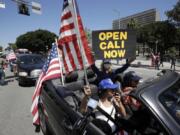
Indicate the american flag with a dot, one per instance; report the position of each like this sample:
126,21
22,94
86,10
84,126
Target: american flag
11,56
51,70
72,39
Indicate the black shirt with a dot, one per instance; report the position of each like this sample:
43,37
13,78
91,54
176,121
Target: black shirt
103,75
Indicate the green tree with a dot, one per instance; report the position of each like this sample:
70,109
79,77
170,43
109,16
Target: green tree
174,14
177,40
160,35
133,24
12,46
36,41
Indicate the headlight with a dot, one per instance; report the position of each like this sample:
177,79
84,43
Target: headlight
23,73
35,73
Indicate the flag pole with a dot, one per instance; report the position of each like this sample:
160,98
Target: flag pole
60,62
79,41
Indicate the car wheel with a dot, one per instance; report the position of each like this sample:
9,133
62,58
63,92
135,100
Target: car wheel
20,82
43,123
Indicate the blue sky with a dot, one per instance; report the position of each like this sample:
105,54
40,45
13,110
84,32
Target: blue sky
96,15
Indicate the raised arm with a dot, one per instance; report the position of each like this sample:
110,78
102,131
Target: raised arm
124,67
95,69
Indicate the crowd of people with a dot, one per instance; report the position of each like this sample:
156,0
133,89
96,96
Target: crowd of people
113,94
157,60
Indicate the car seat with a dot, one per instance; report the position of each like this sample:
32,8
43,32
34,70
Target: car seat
71,77
103,125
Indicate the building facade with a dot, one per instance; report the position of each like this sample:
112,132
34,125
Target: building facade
142,18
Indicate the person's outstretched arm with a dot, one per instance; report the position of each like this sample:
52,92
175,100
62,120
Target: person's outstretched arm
95,69
124,67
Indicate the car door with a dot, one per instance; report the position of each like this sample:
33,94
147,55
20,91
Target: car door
51,105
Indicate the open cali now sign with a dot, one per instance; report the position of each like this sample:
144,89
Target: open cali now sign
114,44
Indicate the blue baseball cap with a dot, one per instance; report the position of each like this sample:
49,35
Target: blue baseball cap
107,84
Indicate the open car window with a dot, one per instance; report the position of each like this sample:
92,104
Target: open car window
171,101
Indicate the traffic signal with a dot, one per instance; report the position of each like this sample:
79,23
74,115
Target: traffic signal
23,9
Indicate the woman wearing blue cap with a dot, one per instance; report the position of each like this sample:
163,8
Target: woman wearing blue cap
109,101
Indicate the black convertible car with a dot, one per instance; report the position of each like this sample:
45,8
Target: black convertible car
160,114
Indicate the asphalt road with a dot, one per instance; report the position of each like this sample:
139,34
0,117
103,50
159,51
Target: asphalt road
15,104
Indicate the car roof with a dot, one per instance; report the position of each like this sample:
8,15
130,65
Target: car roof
149,93
157,85
22,55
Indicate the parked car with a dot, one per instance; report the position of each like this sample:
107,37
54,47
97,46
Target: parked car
160,113
28,68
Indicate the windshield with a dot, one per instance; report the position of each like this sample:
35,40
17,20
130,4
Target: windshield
32,59
171,100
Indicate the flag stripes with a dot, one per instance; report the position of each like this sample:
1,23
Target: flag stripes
51,70
11,56
72,39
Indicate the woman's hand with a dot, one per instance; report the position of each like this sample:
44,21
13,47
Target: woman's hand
118,103
117,99
87,90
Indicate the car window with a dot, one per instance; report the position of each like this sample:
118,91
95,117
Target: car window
171,101
32,59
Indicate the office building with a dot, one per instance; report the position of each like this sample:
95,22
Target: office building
142,18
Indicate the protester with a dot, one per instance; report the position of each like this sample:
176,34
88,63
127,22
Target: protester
109,101
173,63
153,59
130,82
2,63
161,60
107,72
2,71
157,59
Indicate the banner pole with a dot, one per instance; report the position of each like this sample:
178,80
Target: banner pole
79,42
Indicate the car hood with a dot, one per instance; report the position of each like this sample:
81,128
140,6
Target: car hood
29,67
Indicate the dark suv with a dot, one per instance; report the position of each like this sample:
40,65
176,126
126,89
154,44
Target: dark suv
160,113
29,67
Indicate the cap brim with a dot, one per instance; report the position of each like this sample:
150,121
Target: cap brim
112,87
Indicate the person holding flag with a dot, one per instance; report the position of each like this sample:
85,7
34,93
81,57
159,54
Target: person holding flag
76,54
51,70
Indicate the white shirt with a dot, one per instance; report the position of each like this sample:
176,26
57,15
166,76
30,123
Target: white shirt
111,111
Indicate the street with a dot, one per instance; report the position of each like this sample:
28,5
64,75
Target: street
15,103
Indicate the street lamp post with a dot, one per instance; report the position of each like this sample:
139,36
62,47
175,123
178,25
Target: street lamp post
119,21
156,45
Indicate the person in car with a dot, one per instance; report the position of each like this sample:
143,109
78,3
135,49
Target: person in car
130,82
107,72
109,101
